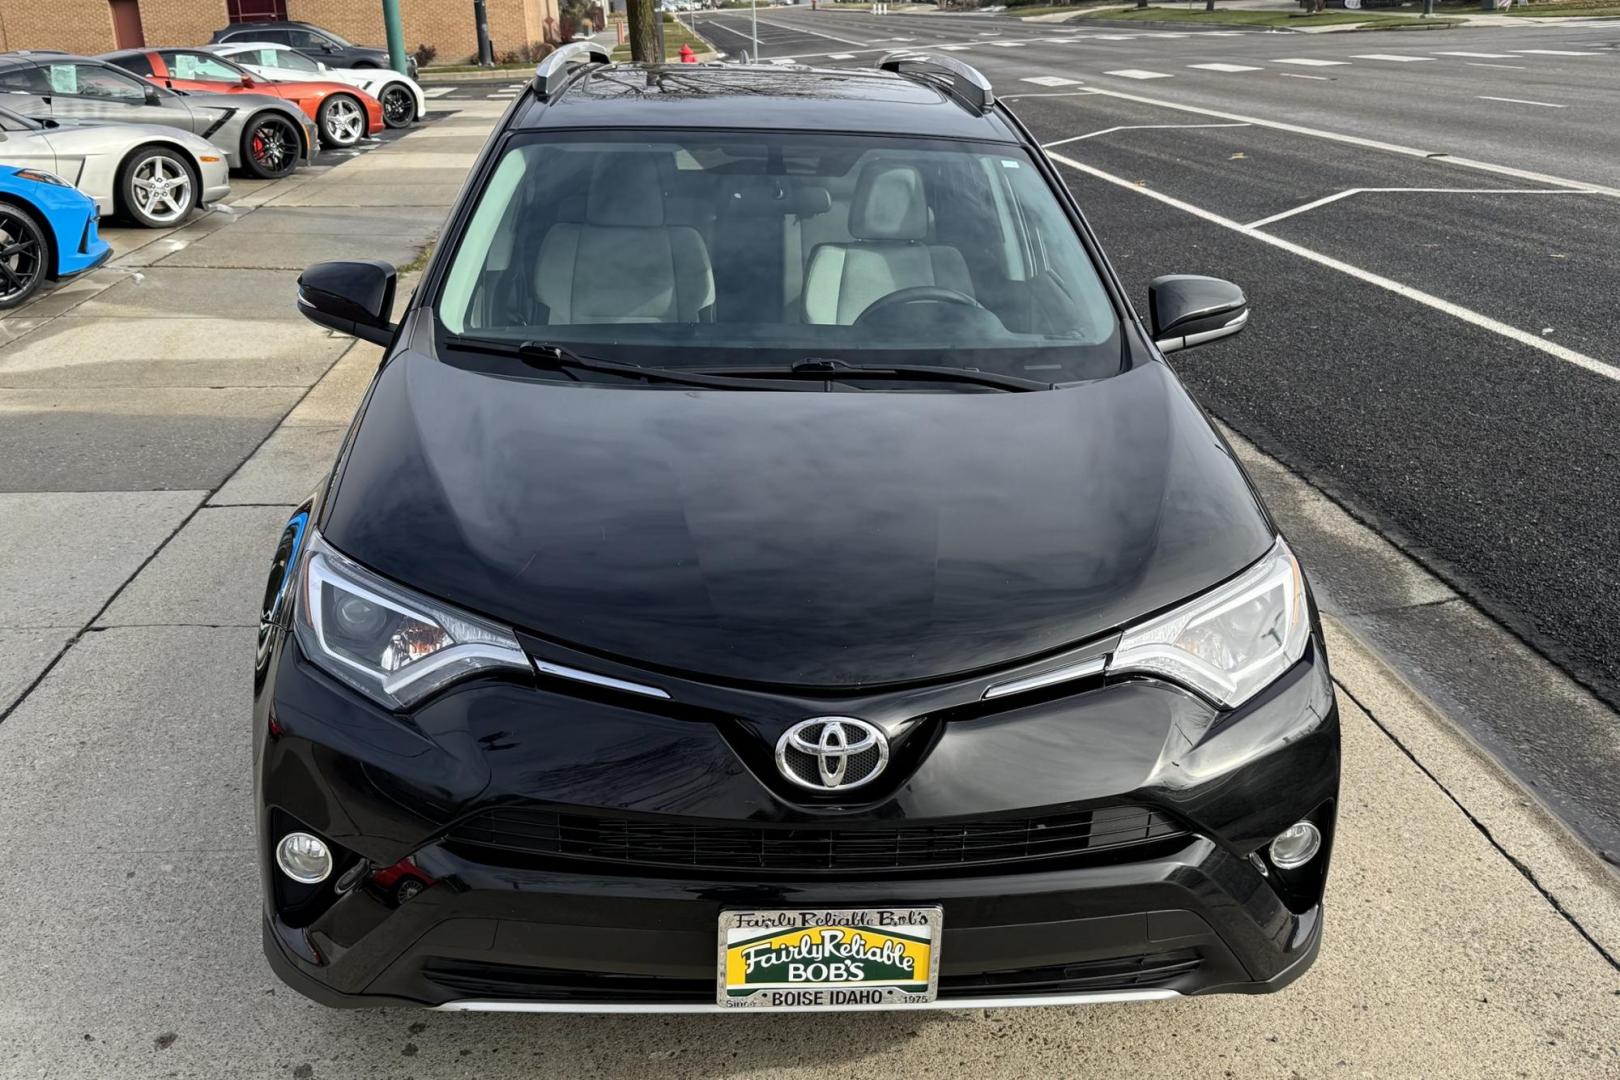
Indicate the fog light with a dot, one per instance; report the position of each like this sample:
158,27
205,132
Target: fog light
1296,845
304,858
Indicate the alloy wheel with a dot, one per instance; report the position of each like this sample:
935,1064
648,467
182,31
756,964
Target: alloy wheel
162,189
345,123
21,256
399,106
271,146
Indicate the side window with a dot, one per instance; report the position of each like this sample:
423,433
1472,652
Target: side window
133,62
304,39
91,81
201,66
296,61
274,37
24,79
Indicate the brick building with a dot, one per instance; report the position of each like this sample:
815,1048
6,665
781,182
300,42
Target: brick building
94,26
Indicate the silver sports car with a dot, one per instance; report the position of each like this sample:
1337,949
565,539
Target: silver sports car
264,136
152,175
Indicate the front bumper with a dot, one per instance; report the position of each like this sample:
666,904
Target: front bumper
216,179
430,921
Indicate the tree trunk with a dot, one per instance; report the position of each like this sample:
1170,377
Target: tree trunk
643,31
1141,3
1209,5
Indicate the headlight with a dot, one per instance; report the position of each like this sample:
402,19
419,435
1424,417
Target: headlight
43,177
1229,643
392,645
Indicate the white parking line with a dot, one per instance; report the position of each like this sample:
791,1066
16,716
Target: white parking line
1050,80
1137,73
1391,57
1508,67
1555,52
1010,44
1222,67
1117,37
1357,140
953,48
1347,192
1468,315
1519,101
1131,127
1480,55
1297,75
816,33
840,56
1308,61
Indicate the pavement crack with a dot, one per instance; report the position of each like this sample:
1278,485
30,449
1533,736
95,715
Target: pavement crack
1484,830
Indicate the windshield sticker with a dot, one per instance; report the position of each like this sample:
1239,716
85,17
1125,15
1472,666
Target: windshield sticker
65,78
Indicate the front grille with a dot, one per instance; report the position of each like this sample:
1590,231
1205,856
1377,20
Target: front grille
1006,844
471,979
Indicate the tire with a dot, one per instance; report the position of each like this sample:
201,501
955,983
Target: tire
270,146
157,187
398,105
342,120
25,253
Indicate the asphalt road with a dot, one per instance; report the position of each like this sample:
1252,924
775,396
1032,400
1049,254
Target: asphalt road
1432,345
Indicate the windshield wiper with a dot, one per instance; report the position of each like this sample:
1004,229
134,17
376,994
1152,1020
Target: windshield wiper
831,368
549,357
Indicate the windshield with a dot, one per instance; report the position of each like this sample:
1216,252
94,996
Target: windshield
704,249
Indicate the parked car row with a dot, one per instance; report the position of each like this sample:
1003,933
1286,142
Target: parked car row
151,134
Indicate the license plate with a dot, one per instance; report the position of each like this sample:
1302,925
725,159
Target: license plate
850,958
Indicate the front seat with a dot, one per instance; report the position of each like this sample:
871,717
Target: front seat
623,264
888,218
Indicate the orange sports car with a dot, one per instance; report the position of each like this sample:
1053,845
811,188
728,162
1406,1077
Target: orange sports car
344,113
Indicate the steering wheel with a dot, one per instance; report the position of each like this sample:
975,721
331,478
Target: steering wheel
918,294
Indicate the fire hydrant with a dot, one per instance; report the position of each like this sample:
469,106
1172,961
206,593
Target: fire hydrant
687,55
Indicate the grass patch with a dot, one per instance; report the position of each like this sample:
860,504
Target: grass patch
1281,19
1563,11
421,258
675,35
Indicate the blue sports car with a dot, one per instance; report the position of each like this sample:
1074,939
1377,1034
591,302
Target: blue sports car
47,232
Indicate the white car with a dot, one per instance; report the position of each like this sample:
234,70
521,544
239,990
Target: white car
152,175
402,99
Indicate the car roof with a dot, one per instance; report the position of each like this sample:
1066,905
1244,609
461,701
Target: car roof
744,96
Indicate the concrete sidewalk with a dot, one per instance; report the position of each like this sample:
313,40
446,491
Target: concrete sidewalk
173,419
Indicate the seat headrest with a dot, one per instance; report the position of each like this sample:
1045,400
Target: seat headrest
625,191
889,204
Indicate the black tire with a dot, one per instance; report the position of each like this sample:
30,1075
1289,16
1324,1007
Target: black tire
398,105
342,121
158,168
271,146
25,254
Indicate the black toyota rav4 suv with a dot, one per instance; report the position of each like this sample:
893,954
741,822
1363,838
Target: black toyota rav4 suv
774,567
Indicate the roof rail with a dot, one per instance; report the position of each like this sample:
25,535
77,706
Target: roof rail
962,81
553,73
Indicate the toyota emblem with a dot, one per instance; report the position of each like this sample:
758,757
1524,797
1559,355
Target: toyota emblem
832,753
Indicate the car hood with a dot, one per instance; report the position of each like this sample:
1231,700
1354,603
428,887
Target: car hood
806,539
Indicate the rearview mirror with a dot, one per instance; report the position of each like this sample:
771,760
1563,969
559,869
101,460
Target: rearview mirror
1187,310
353,297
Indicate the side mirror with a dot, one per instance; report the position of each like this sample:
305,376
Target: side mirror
1188,310
247,80
152,96
352,297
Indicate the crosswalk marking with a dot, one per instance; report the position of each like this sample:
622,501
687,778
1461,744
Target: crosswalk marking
1391,57
841,56
1554,52
1307,61
1009,44
955,48
1117,37
1519,101
438,91
1223,67
1137,73
1480,55
1050,80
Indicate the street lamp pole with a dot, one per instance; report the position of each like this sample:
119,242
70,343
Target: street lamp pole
753,8
486,52
396,35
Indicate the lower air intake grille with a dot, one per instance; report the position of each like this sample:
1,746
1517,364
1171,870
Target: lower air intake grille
1009,844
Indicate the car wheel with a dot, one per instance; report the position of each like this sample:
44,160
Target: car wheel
23,255
157,188
342,121
398,105
270,147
